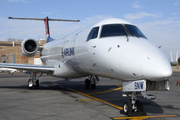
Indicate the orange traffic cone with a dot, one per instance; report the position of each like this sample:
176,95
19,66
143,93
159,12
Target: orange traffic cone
177,84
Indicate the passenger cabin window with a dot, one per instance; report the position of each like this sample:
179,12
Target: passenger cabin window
93,34
113,30
134,31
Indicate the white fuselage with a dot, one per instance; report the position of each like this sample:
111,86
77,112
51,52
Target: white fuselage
119,57
8,70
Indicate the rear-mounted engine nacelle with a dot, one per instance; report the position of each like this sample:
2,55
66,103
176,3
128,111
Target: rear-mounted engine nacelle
29,47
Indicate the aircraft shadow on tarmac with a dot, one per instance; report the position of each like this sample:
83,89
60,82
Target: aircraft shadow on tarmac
114,97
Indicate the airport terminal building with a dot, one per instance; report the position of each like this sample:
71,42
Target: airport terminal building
10,52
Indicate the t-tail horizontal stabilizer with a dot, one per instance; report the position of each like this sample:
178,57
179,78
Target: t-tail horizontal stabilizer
48,38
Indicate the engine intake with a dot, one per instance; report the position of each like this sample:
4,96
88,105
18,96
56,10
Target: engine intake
29,47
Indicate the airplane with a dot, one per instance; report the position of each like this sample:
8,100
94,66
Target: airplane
111,48
172,61
11,71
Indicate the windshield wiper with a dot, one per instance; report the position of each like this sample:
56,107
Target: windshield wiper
137,36
134,35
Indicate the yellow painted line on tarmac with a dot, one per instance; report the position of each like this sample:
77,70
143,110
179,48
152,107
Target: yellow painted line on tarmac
94,98
118,107
97,99
55,83
120,87
87,100
143,117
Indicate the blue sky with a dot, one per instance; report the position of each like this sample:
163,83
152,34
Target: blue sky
159,20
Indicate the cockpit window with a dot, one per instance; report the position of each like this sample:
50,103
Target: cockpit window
93,34
134,31
113,30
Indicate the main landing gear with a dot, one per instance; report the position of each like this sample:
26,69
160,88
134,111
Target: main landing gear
33,81
91,82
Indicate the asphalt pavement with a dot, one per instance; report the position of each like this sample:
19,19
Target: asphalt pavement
58,99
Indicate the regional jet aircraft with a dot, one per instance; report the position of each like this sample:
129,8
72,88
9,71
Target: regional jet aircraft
112,48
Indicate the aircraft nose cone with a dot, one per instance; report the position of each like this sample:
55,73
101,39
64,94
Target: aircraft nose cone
156,68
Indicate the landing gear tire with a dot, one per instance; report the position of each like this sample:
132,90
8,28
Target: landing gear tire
139,106
127,107
93,86
31,86
37,84
87,83
139,109
30,83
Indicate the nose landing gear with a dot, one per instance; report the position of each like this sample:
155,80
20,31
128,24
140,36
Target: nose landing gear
133,107
133,110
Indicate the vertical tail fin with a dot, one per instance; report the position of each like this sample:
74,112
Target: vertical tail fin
177,56
171,56
176,60
48,38
46,22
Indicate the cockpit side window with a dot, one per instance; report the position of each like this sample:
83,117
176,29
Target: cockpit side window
113,30
93,34
134,31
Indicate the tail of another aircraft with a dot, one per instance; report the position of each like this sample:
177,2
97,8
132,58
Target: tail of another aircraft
46,22
177,55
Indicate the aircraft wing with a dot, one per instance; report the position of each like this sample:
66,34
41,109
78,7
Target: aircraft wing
31,68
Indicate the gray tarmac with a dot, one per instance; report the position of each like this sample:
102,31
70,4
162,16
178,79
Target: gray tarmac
57,99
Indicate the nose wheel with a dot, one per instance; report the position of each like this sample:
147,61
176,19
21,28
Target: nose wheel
133,107
127,107
138,106
133,110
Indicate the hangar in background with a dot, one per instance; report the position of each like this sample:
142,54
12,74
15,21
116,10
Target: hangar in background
10,52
